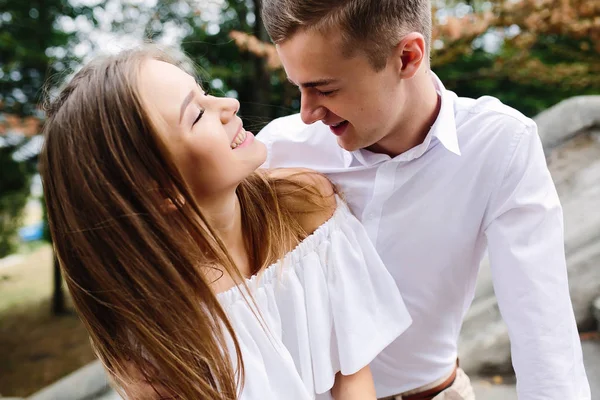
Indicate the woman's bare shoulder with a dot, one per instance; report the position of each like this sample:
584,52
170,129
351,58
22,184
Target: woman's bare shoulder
311,195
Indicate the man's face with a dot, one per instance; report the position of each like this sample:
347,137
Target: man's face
360,105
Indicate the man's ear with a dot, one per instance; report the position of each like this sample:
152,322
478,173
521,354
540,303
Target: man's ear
409,54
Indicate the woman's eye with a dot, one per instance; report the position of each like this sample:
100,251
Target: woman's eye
198,117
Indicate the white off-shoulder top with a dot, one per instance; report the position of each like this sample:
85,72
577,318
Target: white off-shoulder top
329,306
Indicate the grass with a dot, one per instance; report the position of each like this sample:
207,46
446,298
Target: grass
36,348
25,277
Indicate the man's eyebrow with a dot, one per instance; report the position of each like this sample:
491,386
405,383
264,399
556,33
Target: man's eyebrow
185,103
312,84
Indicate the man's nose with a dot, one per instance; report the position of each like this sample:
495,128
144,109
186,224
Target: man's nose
310,111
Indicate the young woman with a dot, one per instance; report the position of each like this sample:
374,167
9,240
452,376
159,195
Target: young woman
197,275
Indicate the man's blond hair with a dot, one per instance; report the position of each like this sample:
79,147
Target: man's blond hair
373,26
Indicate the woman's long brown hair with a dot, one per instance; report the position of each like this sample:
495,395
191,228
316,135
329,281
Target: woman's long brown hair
138,275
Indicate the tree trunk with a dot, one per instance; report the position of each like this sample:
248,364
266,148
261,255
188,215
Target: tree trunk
262,80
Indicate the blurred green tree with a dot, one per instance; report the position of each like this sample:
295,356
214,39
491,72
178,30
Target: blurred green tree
264,92
15,179
531,54
33,49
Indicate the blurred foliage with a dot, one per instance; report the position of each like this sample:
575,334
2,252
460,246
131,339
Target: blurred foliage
15,178
541,51
549,50
32,49
263,94
28,34
36,53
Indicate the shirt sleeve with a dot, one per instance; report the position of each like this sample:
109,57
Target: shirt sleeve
524,229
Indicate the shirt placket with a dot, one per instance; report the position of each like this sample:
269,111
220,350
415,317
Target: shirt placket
383,189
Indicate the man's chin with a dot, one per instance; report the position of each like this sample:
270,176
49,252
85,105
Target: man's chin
347,145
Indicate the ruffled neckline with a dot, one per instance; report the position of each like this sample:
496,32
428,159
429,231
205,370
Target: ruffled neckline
273,271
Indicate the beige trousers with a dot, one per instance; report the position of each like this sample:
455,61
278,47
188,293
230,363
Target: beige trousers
461,389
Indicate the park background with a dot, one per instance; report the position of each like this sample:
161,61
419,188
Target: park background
541,57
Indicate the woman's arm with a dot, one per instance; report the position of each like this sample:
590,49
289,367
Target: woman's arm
358,386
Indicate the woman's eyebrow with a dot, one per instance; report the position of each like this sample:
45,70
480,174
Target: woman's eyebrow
185,103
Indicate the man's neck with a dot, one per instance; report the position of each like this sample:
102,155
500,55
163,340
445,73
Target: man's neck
420,112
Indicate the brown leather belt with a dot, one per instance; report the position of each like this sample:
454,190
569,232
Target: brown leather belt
428,394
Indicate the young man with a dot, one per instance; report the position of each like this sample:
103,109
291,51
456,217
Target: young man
436,180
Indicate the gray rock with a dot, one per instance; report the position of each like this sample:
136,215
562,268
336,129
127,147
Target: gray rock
86,383
591,357
596,311
569,117
485,390
112,395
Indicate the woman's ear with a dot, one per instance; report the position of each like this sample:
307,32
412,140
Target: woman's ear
167,204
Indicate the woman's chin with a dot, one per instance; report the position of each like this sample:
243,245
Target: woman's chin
261,153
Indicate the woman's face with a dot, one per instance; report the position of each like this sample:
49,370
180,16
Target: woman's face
204,134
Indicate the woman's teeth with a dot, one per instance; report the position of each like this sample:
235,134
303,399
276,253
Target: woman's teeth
239,139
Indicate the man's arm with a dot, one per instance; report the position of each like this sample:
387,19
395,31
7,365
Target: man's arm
524,229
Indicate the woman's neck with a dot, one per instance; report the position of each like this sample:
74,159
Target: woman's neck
225,216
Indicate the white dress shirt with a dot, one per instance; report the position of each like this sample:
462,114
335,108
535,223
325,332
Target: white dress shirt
479,180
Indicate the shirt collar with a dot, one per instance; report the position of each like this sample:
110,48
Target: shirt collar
444,129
